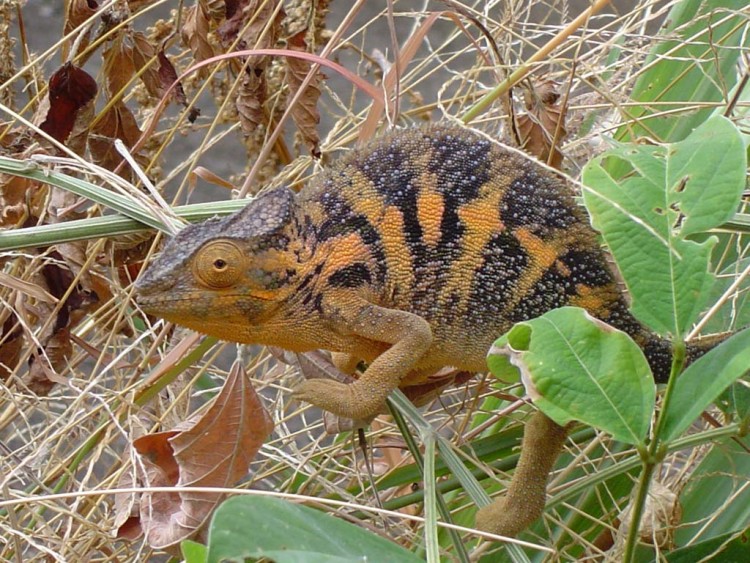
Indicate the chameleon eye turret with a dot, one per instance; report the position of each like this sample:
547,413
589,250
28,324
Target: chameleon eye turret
218,264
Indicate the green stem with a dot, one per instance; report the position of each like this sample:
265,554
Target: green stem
654,454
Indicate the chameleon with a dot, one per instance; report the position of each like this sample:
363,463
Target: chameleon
410,254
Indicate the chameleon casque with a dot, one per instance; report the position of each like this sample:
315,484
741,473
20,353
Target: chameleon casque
412,253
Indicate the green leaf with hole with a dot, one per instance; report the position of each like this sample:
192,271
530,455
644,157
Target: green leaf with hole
672,192
575,367
703,381
266,527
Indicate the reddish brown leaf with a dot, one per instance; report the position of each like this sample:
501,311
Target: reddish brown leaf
143,54
305,110
544,124
45,367
212,450
70,90
78,12
11,344
168,76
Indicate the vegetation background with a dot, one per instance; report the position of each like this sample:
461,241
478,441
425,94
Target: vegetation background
97,397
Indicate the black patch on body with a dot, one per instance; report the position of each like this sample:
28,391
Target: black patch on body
587,267
538,203
551,291
504,261
354,275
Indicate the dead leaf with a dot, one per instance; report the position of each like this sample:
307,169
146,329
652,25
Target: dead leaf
544,123
305,110
251,96
55,340
11,344
194,34
117,123
119,67
77,13
71,92
20,199
248,24
212,450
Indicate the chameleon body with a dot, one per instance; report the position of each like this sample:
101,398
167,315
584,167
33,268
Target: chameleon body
413,253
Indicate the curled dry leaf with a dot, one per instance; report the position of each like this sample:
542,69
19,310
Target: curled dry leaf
212,450
251,96
661,515
20,199
543,125
119,67
305,109
55,340
71,96
77,13
194,34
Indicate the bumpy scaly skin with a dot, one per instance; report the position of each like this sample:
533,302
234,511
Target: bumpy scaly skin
412,254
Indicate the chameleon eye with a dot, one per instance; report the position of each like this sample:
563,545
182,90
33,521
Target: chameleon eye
218,264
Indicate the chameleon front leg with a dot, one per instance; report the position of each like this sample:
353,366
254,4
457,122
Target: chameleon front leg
524,500
409,335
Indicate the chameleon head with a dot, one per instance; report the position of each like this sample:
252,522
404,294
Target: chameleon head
224,277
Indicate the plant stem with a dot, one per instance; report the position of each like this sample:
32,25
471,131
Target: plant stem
652,456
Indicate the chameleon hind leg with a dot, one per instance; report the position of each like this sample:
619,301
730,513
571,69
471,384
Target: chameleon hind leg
524,500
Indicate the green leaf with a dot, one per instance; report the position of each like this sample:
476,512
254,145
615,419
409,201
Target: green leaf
193,552
727,548
716,499
578,368
699,179
695,65
703,381
710,166
256,526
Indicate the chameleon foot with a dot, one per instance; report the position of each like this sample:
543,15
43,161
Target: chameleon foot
343,400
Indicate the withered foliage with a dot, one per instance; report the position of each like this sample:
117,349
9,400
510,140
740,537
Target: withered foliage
64,304
542,127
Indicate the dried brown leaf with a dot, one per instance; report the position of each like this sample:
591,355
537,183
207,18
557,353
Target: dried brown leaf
251,96
118,122
253,23
544,124
11,344
119,67
77,13
194,34
71,95
305,110
20,199
212,450
143,55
